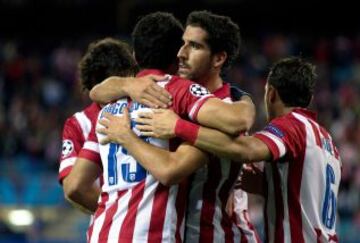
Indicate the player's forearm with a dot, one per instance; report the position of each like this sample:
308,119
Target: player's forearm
232,118
156,160
219,143
84,199
110,89
241,148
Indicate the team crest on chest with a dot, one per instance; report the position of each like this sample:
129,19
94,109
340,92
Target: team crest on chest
198,90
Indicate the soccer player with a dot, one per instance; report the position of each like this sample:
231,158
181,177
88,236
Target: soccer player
134,205
207,38
103,58
303,168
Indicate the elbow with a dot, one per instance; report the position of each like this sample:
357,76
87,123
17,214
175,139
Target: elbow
94,96
73,189
169,179
242,124
171,175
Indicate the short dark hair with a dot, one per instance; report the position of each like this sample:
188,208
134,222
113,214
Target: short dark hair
157,40
104,58
294,79
222,33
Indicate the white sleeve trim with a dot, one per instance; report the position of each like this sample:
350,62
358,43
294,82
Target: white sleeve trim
278,142
66,163
93,146
196,106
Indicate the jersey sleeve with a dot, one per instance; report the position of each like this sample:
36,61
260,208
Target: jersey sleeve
72,142
188,97
90,149
276,137
237,94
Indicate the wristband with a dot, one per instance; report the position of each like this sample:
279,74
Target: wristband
187,130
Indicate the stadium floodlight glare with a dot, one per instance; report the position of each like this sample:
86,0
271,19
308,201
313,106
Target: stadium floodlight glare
21,217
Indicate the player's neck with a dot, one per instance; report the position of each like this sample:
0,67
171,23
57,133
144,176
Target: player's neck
212,82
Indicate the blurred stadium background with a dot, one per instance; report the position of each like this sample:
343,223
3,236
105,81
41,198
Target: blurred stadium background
42,41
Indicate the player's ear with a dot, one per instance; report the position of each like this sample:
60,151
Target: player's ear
219,59
273,95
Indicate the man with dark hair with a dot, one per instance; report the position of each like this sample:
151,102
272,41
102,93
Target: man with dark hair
303,168
102,59
143,196
206,219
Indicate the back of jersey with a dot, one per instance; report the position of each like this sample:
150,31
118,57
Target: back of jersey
137,207
134,206
320,182
302,180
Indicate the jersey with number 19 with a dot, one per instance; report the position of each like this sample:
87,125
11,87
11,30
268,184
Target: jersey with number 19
302,179
134,206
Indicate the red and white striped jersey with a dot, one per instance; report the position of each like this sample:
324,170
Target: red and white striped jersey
206,219
75,133
302,179
134,206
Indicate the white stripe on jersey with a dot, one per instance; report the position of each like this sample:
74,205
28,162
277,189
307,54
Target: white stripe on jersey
219,234
283,169
66,163
119,215
91,146
142,222
279,143
270,207
99,221
171,216
84,123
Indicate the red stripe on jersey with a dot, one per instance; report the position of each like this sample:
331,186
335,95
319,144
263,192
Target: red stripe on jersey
279,205
209,199
336,152
90,155
242,236
318,235
105,228
226,222
294,187
270,144
100,209
64,173
333,238
251,226
316,133
180,205
158,213
126,233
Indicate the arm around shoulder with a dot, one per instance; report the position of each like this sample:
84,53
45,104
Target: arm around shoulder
231,118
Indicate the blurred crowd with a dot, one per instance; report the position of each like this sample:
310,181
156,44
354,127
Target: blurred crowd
39,88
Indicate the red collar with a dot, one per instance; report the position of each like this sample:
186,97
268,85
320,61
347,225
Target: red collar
145,72
306,113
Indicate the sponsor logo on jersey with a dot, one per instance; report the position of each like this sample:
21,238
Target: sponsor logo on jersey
197,90
67,148
274,130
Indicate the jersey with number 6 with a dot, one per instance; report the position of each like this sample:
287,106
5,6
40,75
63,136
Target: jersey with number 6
134,206
302,179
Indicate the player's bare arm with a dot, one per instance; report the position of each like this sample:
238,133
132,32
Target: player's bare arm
143,90
240,148
168,167
161,123
231,118
79,188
